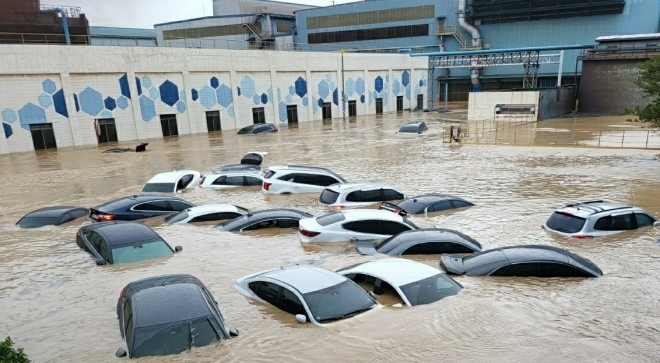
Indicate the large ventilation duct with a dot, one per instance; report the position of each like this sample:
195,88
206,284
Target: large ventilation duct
474,77
474,32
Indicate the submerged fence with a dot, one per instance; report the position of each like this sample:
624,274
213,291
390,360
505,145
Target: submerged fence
529,134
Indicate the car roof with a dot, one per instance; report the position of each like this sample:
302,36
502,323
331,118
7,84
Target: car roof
585,209
236,168
120,232
421,201
50,212
305,278
396,271
262,214
423,235
247,172
170,176
276,168
349,187
211,208
168,304
145,283
137,198
362,214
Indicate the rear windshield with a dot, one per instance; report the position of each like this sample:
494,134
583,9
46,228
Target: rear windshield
565,223
173,339
36,222
330,218
410,128
328,196
159,187
269,174
178,217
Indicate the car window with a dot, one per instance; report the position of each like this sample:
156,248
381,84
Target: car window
103,251
140,251
128,314
234,180
560,270
268,291
177,206
337,302
331,218
430,289
66,217
615,223
250,180
219,180
432,248
392,228
371,196
354,196
269,174
95,240
215,217
309,179
184,181
155,206
566,223
643,220
290,303
368,226
287,223
129,330
438,207
268,223
391,194
79,213
460,203
329,197
245,130
521,269
173,339
158,188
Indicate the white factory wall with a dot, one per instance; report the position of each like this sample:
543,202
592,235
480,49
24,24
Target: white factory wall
71,87
481,105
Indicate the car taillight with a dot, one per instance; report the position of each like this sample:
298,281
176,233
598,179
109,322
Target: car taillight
582,236
307,233
267,185
338,207
107,217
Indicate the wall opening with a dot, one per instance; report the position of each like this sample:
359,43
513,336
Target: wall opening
420,102
327,110
292,114
352,108
169,126
213,121
379,106
43,136
107,130
399,103
258,115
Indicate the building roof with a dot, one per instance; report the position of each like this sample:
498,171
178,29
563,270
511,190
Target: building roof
272,15
105,31
630,37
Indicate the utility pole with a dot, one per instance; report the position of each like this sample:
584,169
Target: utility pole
343,92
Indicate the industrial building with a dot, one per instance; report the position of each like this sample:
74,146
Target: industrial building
30,22
469,25
125,37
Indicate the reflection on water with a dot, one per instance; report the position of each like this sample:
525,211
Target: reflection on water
60,306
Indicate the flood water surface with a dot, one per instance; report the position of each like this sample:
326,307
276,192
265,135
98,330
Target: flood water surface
59,306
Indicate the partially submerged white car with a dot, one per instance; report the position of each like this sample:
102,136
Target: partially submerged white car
232,179
415,283
294,179
352,226
207,213
310,293
355,195
171,181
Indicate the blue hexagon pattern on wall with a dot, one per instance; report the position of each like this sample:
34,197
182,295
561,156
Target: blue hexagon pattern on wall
7,129
305,101
60,103
248,88
264,98
362,99
123,86
324,89
378,84
396,87
105,114
9,115
169,93
292,90
214,82
405,78
110,103
45,100
31,114
49,86
301,87
154,94
148,108
238,90
194,94
335,97
282,113
181,106
122,102
289,99
225,97
350,86
146,82
138,82
230,111
91,101
256,99
207,97
359,86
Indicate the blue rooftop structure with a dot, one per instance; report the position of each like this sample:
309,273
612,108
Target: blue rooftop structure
101,35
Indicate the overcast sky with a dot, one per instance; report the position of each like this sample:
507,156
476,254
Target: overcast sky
146,13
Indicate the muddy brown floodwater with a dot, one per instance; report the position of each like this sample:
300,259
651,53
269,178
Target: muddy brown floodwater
58,305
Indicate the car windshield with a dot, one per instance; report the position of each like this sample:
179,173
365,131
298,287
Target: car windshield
330,218
328,196
245,130
177,217
173,338
159,187
430,289
409,223
566,223
410,128
338,302
140,251
36,222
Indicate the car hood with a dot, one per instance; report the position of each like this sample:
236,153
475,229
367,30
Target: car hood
367,247
453,264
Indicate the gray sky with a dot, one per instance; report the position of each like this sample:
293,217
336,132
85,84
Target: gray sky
146,13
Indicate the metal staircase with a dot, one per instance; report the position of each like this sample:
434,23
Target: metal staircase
464,41
261,38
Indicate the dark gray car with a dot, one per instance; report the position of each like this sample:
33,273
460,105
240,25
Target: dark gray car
168,314
416,127
523,261
427,203
421,241
51,216
269,218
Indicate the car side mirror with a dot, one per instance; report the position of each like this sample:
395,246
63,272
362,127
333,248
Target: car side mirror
301,318
656,224
178,249
233,332
121,352
100,261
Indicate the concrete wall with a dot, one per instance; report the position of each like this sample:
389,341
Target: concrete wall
481,105
607,86
555,102
71,87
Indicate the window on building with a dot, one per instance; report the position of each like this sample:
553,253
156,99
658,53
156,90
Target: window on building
292,114
327,110
405,31
379,106
213,121
399,103
352,108
107,131
169,126
420,102
372,17
43,136
258,115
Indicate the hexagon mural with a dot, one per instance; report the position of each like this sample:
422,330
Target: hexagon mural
230,111
122,102
264,98
305,101
359,86
105,114
256,99
378,84
49,86
169,93
301,87
31,114
292,90
396,87
362,99
154,94
289,99
91,101
238,90
207,97
324,89
214,82
405,78
181,106
194,94
182,95
123,86
215,92
248,88
225,97
110,103
60,103
138,82
7,129
146,82
45,100
315,106
335,97
147,108
282,111
350,86
9,115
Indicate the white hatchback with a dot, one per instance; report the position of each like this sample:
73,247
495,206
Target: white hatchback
172,181
207,213
352,195
224,180
293,179
352,226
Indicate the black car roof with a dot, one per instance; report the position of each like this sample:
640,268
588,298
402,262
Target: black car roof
415,204
139,285
262,214
163,304
51,212
119,233
134,199
423,235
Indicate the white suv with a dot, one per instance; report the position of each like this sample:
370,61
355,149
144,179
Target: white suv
341,196
293,179
597,218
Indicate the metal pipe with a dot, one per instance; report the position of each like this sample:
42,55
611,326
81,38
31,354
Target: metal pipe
476,35
491,51
65,23
561,65
343,85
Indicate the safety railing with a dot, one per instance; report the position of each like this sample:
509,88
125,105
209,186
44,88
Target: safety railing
70,11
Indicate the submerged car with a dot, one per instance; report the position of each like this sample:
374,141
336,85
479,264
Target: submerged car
351,195
597,219
421,241
251,161
427,203
257,129
293,179
138,207
171,182
416,127
414,282
232,179
352,226
310,293
122,242
207,213
168,314
51,216
523,261
269,218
